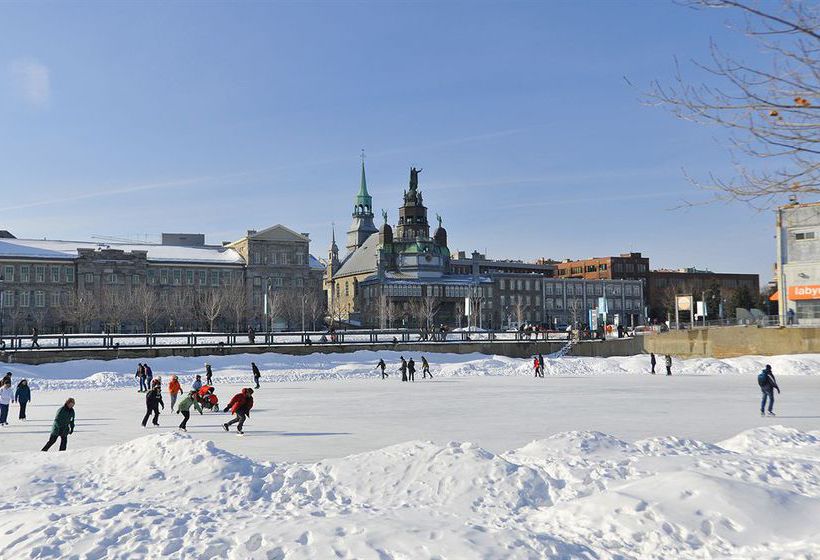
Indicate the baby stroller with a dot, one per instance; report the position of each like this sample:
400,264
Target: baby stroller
208,399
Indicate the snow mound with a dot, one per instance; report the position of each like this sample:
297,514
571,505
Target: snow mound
774,440
582,443
671,445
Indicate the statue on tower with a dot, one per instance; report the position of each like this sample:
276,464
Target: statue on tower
384,215
414,179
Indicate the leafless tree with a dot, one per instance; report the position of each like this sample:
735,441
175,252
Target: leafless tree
576,309
430,306
211,303
278,301
768,106
80,308
314,307
237,303
520,310
115,306
180,307
146,304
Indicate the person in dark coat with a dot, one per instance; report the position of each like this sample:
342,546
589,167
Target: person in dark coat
153,400
381,365
149,376
209,374
540,365
22,396
668,364
403,369
425,368
767,384
411,370
652,362
240,405
34,336
6,377
141,376
63,426
256,374
251,335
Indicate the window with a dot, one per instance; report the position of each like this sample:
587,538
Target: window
257,281
804,235
152,277
225,277
203,277
55,299
55,274
298,282
24,299
69,275
279,282
8,298
39,273
39,298
113,278
89,278
214,278
177,277
135,279
189,277
8,273
548,289
24,273
163,276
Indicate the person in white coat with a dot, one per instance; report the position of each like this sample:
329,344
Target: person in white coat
6,396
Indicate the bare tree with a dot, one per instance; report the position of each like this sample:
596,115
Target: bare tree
211,303
768,106
237,303
80,308
314,307
520,310
575,306
115,306
415,309
146,304
430,307
180,307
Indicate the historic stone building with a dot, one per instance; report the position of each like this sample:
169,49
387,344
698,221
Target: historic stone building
76,285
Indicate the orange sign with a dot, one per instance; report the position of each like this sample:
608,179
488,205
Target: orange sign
804,292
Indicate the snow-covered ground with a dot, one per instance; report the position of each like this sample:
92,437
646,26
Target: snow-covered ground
597,460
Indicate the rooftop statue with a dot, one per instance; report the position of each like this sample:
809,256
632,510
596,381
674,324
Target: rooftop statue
414,178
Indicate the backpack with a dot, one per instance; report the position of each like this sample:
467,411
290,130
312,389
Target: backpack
763,379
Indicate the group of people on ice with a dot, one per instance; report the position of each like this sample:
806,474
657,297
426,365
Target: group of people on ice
21,394
407,369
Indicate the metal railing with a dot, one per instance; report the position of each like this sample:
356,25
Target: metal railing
66,342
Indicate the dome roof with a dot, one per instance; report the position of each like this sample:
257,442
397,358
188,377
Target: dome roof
386,233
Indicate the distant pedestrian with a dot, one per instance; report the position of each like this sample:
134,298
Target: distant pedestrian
256,374
767,384
141,376
153,400
6,396
174,389
251,336
209,375
536,366
63,426
22,396
652,362
197,385
184,408
403,368
411,370
381,365
790,317
240,405
425,368
541,364
668,364
149,375
35,335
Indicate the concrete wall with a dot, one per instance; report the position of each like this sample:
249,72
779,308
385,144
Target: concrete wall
728,342
623,347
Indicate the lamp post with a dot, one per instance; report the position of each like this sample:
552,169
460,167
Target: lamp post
2,307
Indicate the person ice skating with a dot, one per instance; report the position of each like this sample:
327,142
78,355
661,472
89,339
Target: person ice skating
141,376
240,405
6,377
22,396
174,389
767,384
35,335
197,385
411,370
540,365
536,365
668,364
149,375
256,374
425,368
381,365
184,408
403,368
652,362
153,400
251,335
6,396
209,375
63,426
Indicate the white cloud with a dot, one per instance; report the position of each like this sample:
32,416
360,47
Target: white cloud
31,79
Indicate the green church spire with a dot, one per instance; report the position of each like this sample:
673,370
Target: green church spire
363,198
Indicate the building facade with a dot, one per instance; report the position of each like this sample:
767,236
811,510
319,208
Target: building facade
627,266
798,263
179,283
721,287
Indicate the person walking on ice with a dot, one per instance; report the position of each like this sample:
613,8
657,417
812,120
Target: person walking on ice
381,365
425,368
403,368
209,375
240,405
184,408
22,396
540,364
767,384
411,370
536,366
63,426
141,376
197,384
153,400
668,364
256,374
174,389
6,396
652,362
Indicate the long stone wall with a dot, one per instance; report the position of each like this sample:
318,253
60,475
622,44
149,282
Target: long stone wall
623,347
728,342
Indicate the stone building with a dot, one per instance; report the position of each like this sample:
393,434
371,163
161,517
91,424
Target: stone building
798,268
76,285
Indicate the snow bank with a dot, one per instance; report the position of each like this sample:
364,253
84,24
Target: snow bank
89,374
573,495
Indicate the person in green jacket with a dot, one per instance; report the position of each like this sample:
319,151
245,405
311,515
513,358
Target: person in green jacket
62,426
184,408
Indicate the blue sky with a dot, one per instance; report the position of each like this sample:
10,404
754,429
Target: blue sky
129,119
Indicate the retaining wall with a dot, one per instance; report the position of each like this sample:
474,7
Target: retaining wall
729,342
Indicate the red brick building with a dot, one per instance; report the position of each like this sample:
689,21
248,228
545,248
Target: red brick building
628,266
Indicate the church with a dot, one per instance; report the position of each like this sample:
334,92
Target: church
399,277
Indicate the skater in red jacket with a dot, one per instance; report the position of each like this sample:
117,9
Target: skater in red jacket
240,405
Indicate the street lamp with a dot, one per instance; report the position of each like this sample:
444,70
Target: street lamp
2,307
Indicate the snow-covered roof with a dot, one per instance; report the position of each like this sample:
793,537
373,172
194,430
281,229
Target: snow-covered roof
362,259
315,263
49,249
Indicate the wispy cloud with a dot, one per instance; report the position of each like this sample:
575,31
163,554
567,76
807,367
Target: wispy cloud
31,80
110,191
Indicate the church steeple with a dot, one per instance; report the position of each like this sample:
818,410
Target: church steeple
333,254
362,226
